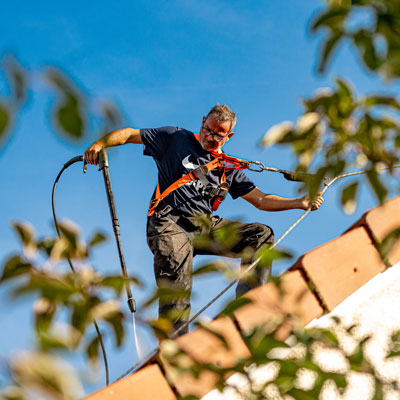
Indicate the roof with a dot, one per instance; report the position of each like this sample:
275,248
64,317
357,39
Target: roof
322,282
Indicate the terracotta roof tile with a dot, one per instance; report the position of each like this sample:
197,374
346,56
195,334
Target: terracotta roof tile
381,221
266,303
203,346
339,267
146,384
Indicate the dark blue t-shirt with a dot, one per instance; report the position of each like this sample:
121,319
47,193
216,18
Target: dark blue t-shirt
176,152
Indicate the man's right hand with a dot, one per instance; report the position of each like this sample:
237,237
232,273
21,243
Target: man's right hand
92,153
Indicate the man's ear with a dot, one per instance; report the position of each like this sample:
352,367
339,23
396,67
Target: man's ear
230,135
204,119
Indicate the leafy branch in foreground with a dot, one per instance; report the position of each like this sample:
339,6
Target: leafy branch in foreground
73,112
294,368
67,302
371,26
339,132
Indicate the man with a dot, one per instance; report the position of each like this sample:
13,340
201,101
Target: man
174,224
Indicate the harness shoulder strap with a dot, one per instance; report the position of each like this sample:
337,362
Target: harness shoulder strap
199,173
191,176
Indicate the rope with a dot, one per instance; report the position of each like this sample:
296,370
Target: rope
151,354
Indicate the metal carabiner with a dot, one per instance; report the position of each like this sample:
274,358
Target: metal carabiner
259,164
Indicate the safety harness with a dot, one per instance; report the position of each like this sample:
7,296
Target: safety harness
217,192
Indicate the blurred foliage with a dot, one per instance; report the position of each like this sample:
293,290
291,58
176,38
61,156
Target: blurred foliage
38,375
294,367
67,303
387,245
339,132
371,26
73,113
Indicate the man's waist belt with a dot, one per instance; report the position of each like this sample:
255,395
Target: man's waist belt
164,209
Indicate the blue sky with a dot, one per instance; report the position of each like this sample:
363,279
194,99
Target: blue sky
162,63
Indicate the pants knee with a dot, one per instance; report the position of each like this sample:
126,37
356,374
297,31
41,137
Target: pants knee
265,234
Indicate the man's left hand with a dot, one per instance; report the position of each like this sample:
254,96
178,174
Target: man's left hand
306,203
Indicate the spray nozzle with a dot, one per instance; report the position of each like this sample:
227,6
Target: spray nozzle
132,304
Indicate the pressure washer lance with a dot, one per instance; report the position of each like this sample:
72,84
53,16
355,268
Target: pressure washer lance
103,166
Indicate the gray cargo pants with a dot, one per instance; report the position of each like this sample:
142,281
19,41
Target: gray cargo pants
171,239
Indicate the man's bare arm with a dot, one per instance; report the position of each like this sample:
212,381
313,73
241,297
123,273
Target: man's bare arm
270,202
115,138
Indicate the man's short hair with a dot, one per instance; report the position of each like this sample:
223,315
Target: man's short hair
223,113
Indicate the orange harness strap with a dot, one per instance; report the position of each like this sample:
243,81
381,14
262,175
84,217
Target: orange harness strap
217,162
191,176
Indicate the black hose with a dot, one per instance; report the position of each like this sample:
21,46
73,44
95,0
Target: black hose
66,165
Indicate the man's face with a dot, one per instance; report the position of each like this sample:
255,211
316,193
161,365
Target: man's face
214,134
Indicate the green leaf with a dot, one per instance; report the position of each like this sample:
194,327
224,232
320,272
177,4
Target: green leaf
396,337
69,245
378,395
328,47
68,113
46,374
97,238
162,327
69,117
288,368
234,305
111,116
227,235
70,232
116,321
348,199
105,310
377,186
15,266
344,89
268,255
260,346
25,233
48,286
299,394
387,244
382,101
366,47
60,81
118,282
314,181
4,120
284,383
44,315
47,245
210,268
333,18
393,353
339,379
18,78
166,295
92,350
213,332
80,317
53,341
329,338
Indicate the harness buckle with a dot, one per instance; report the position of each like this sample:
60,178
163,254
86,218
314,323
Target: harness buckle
211,190
162,213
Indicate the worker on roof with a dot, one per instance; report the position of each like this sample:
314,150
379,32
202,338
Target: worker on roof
185,197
